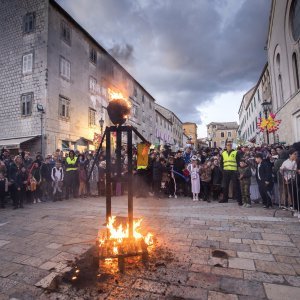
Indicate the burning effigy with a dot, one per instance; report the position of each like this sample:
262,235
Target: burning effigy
121,239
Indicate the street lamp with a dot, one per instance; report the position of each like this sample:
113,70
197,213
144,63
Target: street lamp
41,110
266,108
101,123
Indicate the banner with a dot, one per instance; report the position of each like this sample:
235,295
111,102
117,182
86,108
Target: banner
142,154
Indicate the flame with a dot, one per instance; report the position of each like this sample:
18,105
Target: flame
117,235
117,95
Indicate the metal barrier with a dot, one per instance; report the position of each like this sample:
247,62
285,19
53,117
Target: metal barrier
288,189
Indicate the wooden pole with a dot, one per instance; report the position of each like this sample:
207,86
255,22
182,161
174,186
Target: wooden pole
130,187
108,175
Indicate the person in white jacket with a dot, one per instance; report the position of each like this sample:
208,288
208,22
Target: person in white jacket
57,175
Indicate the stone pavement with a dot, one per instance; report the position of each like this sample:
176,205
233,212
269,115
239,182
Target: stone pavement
261,259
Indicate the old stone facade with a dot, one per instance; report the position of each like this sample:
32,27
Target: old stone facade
190,129
251,110
218,133
164,130
177,129
49,59
23,72
283,58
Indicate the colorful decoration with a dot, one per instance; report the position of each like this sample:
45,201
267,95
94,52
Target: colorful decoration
97,139
271,124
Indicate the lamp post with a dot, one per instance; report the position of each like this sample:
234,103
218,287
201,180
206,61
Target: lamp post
41,110
101,123
266,108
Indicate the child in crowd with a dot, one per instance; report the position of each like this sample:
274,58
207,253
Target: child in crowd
57,175
82,180
205,175
3,189
172,182
193,168
216,179
35,182
245,182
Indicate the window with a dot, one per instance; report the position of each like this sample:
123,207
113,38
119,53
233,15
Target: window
93,56
255,102
258,95
26,104
143,98
92,117
222,134
150,104
156,118
29,22
229,133
134,92
65,68
65,32
65,145
64,107
135,111
295,19
93,84
295,71
27,63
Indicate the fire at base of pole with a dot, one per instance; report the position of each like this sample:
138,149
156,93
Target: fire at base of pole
114,242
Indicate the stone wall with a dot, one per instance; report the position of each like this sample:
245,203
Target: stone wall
13,45
289,129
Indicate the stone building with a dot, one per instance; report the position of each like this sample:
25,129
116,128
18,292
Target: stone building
218,133
48,59
164,130
190,129
177,130
251,110
283,47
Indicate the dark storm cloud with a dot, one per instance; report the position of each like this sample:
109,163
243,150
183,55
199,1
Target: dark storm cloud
185,52
122,52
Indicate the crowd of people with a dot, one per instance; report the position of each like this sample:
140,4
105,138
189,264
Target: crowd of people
270,174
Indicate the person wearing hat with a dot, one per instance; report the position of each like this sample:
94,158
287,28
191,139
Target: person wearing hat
229,164
245,182
264,179
194,169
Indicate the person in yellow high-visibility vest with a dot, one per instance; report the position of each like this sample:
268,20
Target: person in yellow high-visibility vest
229,165
71,175
141,188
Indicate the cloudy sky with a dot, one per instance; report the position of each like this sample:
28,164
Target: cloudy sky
196,57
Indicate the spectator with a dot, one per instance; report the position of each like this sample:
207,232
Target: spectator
82,180
36,176
21,184
264,180
46,180
71,175
3,189
216,179
229,165
57,176
245,181
157,173
194,169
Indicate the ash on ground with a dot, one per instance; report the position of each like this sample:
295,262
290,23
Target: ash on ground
90,278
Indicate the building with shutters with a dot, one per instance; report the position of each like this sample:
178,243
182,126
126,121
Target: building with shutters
48,59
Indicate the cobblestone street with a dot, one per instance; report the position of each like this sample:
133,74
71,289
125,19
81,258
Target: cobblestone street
262,258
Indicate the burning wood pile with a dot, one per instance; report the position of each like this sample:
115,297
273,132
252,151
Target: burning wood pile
116,242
